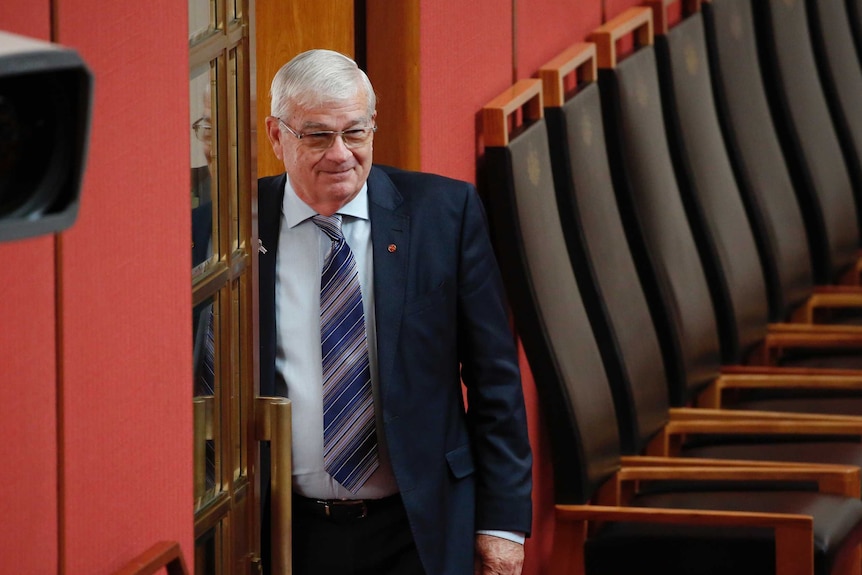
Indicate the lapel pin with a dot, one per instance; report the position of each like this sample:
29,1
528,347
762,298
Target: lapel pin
260,247
392,248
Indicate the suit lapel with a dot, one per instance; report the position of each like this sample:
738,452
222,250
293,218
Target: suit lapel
390,233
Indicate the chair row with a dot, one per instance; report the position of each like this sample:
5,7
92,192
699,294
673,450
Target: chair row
647,268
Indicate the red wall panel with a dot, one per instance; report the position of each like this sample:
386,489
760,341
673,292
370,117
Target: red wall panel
125,304
466,57
547,27
28,406
28,400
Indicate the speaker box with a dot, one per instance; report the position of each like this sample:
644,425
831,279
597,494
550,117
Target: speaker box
45,109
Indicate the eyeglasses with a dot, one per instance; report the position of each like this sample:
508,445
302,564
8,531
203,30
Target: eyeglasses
323,140
203,129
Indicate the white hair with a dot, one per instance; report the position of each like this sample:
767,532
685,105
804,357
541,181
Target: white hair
318,77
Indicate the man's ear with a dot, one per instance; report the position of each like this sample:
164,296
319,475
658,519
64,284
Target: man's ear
273,130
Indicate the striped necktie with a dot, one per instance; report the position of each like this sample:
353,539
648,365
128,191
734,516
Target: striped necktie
349,435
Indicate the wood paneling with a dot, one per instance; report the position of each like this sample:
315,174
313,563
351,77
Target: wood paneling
284,29
392,32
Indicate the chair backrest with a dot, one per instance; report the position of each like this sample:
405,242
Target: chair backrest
652,211
854,12
756,156
549,314
711,197
841,77
598,249
805,130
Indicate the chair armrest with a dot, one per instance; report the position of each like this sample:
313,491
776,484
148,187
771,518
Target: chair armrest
711,395
794,534
669,441
828,297
837,479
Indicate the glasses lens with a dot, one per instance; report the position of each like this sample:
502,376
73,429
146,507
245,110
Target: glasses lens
356,137
318,140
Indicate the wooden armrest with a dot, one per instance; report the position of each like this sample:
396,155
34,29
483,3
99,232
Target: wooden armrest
704,413
811,336
165,554
579,57
711,395
525,94
830,477
783,370
794,534
815,330
797,427
636,19
844,481
837,297
663,461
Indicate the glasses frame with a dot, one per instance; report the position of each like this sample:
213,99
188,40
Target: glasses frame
331,133
200,127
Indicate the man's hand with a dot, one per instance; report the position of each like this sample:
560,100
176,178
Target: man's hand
497,556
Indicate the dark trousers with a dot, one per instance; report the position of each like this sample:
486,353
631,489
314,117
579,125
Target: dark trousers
345,543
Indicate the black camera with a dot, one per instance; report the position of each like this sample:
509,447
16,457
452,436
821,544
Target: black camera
45,109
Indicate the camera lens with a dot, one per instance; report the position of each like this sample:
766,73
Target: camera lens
29,126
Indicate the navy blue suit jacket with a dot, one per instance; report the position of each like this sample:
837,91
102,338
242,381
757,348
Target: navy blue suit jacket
441,318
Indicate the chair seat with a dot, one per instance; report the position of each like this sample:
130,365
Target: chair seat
643,548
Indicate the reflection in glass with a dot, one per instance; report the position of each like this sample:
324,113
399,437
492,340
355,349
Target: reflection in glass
205,406
201,18
204,187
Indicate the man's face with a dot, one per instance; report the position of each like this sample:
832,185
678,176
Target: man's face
324,179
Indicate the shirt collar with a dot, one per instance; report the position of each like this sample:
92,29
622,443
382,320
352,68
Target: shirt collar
296,211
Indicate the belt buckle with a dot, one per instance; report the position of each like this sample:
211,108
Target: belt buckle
358,504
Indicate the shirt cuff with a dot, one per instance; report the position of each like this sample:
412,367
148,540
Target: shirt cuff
515,536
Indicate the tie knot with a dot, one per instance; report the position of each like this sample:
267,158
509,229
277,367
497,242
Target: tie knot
331,225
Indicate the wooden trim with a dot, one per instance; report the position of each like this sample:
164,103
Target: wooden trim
526,94
637,20
283,30
580,57
393,61
165,554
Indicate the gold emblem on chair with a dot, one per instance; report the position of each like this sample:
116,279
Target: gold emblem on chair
736,25
586,130
642,93
692,63
534,170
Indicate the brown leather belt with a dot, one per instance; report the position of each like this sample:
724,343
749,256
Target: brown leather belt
343,509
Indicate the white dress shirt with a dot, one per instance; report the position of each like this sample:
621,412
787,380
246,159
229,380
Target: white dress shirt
302,249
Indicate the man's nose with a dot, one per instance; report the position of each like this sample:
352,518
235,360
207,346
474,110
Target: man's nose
338,149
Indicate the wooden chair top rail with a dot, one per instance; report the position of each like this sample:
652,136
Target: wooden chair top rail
164,554
659,12
580,56
637,20
525,94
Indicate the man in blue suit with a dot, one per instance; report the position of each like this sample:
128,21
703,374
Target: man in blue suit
441,489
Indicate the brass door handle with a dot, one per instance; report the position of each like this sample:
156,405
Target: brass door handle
273,424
